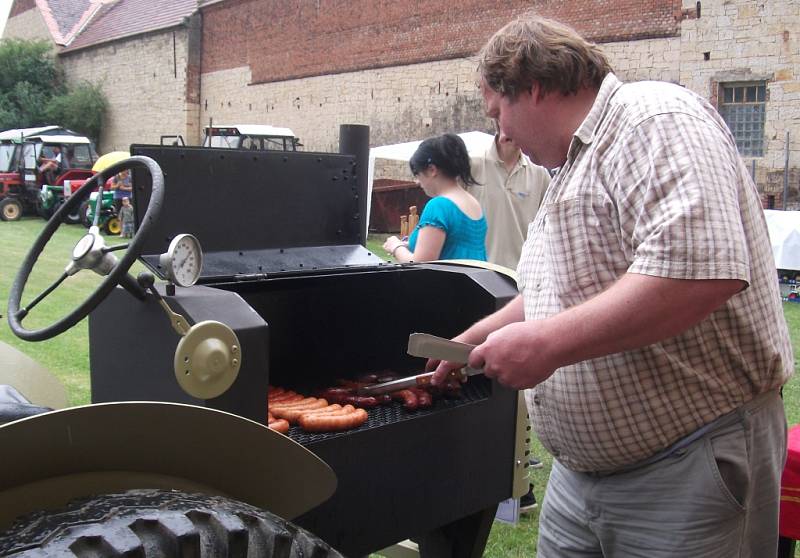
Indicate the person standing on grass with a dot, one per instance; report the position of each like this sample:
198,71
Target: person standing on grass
510,190
122,187
126,218
452,225
649,331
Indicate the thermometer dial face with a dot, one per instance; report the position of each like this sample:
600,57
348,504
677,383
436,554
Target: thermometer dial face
184,260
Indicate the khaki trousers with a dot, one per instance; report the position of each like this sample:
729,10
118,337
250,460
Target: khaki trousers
718,497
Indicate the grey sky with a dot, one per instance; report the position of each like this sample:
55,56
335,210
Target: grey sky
5,6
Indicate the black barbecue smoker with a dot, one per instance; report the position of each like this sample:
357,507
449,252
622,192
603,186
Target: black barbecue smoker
286,269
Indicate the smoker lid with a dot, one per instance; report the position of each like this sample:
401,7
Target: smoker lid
256,213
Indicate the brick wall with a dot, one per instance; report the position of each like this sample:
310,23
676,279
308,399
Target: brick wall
146,82
418,100
281,40
410,80
739,40
398,103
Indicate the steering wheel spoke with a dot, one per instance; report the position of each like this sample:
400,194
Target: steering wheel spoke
114,248
89,253
26,309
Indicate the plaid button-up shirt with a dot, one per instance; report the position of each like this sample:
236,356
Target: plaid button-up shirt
653,184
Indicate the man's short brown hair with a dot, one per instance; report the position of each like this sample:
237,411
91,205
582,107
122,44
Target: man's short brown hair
536,50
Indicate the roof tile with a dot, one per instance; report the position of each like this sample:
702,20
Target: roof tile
123,18
64,18
68,13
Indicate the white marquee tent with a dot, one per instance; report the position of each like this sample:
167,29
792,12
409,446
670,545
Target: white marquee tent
784,235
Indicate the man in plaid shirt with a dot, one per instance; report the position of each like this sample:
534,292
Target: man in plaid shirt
649,333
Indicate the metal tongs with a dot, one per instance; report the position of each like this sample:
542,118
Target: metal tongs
428,346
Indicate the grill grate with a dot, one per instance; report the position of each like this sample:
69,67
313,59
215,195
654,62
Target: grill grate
478,388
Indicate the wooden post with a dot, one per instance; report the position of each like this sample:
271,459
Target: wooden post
413,218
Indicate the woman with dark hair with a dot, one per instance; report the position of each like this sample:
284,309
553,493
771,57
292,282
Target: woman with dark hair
452,225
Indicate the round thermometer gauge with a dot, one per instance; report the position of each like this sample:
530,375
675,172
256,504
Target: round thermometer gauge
183,261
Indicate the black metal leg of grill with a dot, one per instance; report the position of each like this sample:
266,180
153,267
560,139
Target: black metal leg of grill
465,538
785,547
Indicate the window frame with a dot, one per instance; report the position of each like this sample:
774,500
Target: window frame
743,106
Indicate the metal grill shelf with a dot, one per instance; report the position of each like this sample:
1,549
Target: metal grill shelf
477,389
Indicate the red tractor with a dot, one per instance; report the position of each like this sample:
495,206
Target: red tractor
37,165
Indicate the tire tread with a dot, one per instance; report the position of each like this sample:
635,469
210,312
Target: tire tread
151,523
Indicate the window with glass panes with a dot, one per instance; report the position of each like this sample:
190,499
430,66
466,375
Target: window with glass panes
743,106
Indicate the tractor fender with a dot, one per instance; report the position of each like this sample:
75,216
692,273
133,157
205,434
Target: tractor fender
30,379
59,456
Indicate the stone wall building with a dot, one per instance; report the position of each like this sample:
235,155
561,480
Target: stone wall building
408,69
143,53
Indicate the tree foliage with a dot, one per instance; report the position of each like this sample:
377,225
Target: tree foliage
32,62
28,79
33,92
81,109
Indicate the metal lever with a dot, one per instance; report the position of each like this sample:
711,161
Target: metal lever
208,356
147,281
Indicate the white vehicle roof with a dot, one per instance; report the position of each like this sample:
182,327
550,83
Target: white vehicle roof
26,132
254,129
61,139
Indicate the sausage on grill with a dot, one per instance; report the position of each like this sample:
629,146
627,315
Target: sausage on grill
333,422
305,403
279,425
424,399
294,414
291,412
345,396
286,397
407,397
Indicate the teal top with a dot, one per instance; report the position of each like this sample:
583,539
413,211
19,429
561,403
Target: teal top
466,237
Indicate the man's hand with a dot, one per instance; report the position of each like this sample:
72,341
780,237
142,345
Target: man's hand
516,355
511,313
444,368
513,355
636,311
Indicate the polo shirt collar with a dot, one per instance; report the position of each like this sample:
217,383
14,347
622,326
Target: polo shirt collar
588,127
493,155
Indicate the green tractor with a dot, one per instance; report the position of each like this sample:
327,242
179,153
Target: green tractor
51,197
108,220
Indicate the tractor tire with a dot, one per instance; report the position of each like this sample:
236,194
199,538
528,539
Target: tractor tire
10,209
45,213
113,226
160,523
84,214
73,218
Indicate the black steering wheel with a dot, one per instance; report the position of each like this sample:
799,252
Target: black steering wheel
89,253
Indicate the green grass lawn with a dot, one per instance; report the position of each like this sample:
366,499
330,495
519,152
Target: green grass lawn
67,355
